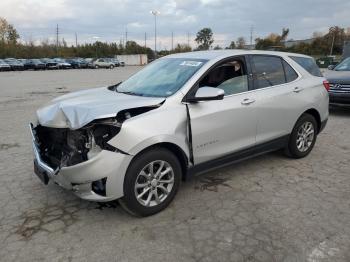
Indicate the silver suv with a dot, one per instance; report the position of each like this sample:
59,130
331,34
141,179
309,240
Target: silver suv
182,114
103,63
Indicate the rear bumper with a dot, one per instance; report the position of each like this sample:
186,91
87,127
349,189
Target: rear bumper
339,98
79,178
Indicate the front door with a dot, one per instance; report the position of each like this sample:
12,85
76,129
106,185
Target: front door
225,126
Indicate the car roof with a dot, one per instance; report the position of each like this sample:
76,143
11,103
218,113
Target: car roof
214,54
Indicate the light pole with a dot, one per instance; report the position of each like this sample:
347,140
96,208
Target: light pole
96,38
332,30
155,13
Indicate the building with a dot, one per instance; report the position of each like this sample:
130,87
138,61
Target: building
291,43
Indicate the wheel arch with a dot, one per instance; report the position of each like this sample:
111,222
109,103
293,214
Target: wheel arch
175,149
316,115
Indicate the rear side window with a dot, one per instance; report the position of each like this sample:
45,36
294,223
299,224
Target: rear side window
308,64
291,75
268,71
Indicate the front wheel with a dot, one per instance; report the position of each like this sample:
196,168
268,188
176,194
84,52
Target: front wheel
151,182
303,137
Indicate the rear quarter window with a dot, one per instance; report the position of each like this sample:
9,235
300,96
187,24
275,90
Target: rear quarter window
308,64
291,75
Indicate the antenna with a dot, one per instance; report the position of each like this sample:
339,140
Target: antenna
76,40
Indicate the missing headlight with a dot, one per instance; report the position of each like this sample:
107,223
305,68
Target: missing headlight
99,135
61,147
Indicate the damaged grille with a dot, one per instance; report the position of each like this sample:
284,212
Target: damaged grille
61,147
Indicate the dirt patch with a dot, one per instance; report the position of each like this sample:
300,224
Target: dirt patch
8,146
346,148
212,183
14,100
51,218
34,93
104,205
62,90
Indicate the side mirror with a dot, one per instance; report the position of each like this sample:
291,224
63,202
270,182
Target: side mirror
207,93
331,67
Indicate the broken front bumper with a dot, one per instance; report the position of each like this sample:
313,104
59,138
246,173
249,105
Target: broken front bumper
107,166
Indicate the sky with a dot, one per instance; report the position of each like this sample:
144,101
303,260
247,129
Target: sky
109,20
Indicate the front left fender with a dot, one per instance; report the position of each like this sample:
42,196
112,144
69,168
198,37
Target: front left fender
167,123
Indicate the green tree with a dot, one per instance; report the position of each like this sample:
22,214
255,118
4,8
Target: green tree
272,41
204,39
12,34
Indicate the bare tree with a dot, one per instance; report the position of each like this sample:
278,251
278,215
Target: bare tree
241,42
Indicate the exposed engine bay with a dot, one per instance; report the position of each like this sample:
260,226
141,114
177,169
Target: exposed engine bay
63,147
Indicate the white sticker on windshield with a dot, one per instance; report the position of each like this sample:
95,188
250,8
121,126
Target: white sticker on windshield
191,63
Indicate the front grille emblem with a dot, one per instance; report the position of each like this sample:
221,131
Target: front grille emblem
337,86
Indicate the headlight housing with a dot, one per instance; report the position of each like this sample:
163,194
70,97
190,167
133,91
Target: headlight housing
99,133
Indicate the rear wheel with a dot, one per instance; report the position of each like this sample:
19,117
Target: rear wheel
303,137
111,66
151,182
97,67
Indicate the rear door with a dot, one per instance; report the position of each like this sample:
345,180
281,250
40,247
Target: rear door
278,92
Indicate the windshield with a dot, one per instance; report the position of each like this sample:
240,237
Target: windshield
344,65
161,78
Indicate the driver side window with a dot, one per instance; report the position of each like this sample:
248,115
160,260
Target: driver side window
230,76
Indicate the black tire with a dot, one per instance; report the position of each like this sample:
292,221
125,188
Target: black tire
97,67
129,202
111,66
292,149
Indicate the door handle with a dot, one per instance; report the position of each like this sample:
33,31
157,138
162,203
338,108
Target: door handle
247,101
297,90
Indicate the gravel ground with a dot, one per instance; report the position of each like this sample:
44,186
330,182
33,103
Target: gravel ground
270,208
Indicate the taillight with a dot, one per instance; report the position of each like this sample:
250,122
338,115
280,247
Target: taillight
326,85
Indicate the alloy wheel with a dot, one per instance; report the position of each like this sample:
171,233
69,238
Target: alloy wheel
305,136
154,183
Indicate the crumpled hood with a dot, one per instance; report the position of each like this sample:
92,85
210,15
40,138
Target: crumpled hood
77,109
337,77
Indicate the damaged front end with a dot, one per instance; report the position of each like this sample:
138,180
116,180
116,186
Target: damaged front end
63,147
